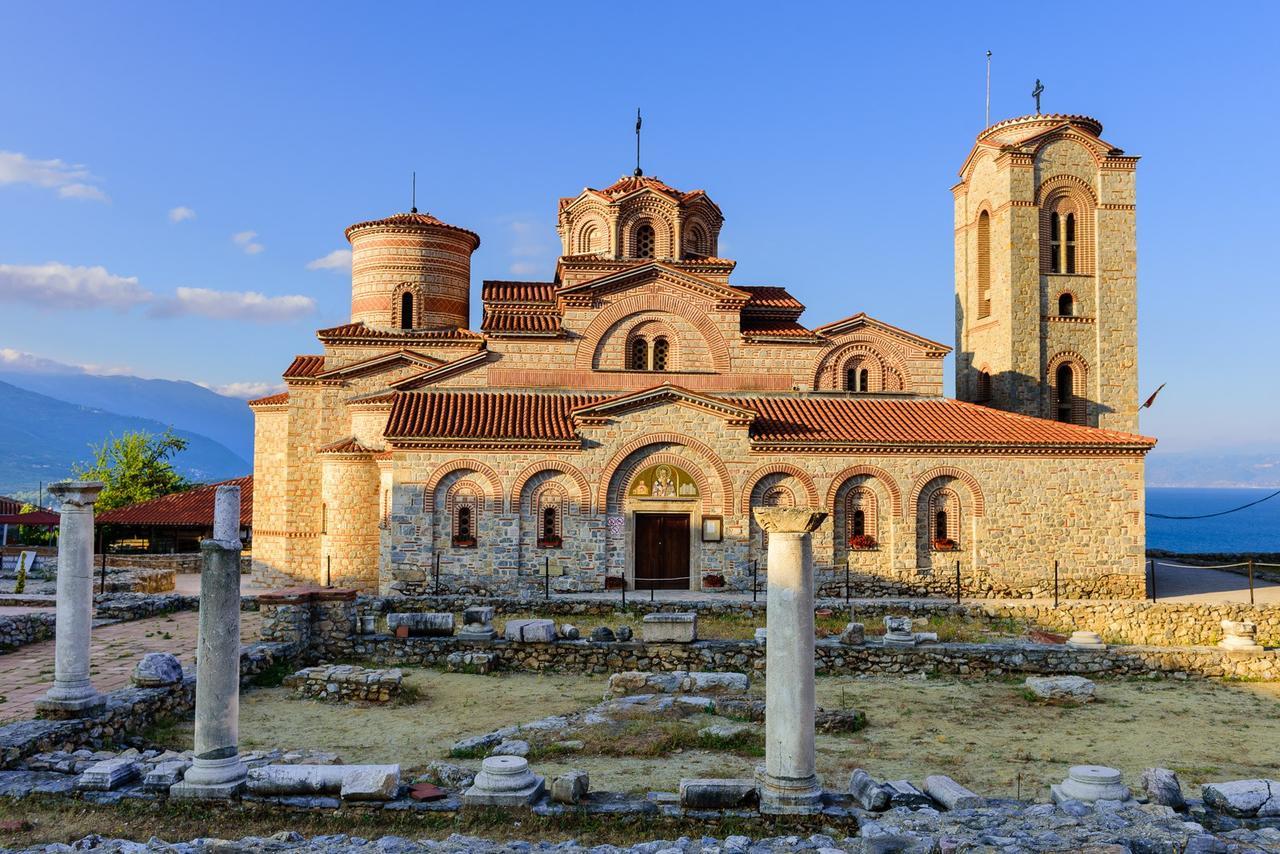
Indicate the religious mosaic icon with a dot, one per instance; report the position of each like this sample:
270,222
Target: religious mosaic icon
664,482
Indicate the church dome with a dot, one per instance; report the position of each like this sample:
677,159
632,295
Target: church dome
1016,130
411,271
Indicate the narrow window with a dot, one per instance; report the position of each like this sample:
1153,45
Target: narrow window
984,386
548,524
1071,243
1066,305
661,350
859,523
940,525
1055,242
644,241
639,356
851,380
864,377
984,264
324,518
1065,382
406,310
464,523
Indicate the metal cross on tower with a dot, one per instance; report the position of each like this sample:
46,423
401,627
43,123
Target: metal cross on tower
1036,93
639,171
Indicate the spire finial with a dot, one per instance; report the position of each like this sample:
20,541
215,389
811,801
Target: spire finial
638,171
988,116
413,193
1036,93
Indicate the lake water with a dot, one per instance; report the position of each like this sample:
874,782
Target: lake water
1256,529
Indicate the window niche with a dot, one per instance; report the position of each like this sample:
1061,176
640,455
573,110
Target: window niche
464,512
860,517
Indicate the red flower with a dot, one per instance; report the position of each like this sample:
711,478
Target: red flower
862,541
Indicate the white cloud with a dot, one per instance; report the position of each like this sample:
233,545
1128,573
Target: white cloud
72,181
248,241
181,213
245,390
525,268
55,285
234,305
530,246
338,259
20,361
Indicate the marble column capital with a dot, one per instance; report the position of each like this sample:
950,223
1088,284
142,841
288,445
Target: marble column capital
788,520
76,493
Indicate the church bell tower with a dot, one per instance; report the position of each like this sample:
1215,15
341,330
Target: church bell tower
1046,273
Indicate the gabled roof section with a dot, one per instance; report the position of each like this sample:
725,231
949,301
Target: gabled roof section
192,508
304,367
359,333
600,412
271,400
770,298
349,445
520,309
518,293
624,279
630,184
862,320
772,328
449,369
382,362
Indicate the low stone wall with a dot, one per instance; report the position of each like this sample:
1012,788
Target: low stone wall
831,658
17,630
188,562
979,583
127,712
346,683
1153,623
139,581
123,607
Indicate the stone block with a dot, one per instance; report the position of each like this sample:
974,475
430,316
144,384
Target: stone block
707,793
504,781
530,631
670,627
370,782
902,793
723,731
109,774
869,794
570,787
1244,798
1076,689
1240,636
350,782
470,662
897,631
1085,640
568,631
1162,787
676,682
854,634
157,669
164,775
624,634
1091,783
950,794
477,623
511,747
428,625
602,634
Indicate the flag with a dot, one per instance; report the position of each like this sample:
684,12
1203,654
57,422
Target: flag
1152,399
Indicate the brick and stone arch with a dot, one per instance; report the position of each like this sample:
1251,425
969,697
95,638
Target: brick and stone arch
1067,206
463,505
618,485
547,503
715,499
982,284
493,483
799,475
657,215
884,366
592,236
851,476
652,344
945,516
1068,404
970,487
944,504
583,487
776,488
603,341
407,297
873,492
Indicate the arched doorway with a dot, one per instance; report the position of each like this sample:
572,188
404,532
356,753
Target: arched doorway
662,499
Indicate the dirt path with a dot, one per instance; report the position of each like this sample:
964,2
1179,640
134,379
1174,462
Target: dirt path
115,649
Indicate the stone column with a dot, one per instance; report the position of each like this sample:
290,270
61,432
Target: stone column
72,695
788,782
216,771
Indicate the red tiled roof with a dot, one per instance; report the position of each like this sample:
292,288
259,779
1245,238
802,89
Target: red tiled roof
485,415
905,421
9,506
39,518
522,292
412,219
348,445
774,327
526,320
362,332
304,366
271,399
630,184
770,296
192,508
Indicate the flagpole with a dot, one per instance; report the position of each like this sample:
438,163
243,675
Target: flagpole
988,116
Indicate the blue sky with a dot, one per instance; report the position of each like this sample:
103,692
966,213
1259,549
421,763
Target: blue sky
828,134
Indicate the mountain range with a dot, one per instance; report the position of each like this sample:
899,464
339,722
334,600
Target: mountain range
42,436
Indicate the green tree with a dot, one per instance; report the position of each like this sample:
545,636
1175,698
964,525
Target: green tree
135,467
31,535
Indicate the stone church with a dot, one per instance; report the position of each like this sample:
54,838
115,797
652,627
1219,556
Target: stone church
614,425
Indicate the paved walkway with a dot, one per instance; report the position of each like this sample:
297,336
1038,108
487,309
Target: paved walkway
28,671
1183,584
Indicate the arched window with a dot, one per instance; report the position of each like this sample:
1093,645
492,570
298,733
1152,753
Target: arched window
661,352
695,240
638,358
859,523
548,523
984,265
1064,384
860,518
465,501
1055,242
1065,229
1066,305
587,239
858,378
644,241
983,391
1070,244
406,310
944,520
940,525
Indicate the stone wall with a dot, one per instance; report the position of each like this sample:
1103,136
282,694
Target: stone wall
128,711
21,629
831,658
185,562
346,683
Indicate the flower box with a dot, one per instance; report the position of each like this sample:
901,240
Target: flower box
553,542
714,580
614,582
944,544
464,542
862,542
